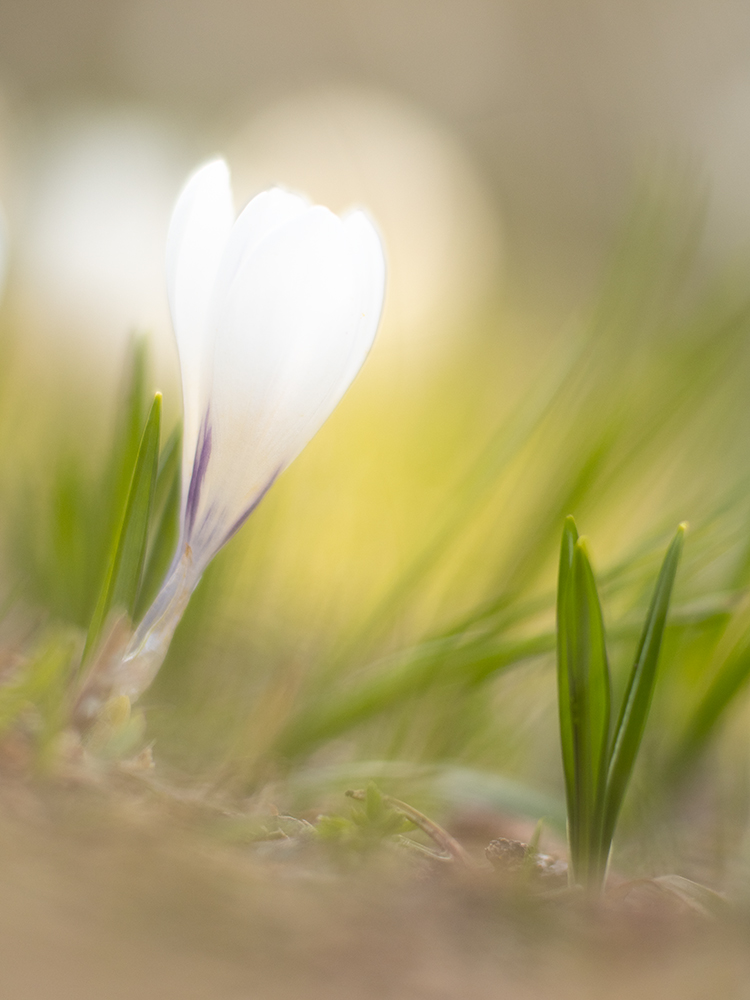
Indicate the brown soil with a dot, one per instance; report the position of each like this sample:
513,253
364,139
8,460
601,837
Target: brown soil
108,890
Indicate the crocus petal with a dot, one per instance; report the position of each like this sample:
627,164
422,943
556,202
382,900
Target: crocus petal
198,234
298,320
263,215
366,249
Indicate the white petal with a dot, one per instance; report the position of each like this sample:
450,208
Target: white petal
369,259
298,321
198,233
264,214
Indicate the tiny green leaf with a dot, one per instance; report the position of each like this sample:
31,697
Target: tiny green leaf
589,696
123,576
564,639
639,692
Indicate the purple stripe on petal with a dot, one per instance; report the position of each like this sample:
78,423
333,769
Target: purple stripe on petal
244,516
200,465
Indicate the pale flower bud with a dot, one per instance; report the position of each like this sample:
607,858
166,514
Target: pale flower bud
274,314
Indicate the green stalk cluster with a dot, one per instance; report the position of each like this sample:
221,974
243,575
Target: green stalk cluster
598,757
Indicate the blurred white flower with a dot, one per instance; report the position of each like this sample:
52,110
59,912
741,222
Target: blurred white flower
98,190
274,314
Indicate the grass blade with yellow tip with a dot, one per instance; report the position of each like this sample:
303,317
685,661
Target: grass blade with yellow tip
124,571
639,692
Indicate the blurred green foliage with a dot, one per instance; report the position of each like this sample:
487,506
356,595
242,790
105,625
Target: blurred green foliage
393,598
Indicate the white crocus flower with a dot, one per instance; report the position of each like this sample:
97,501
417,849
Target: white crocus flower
274,314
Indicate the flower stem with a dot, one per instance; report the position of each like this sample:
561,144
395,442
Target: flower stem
130,667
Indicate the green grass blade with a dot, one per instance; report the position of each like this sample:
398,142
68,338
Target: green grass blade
400,678
131,551
123,576
130,420
589,700
639,692
107,505
713,706
165,523
404,675
564,641
169,461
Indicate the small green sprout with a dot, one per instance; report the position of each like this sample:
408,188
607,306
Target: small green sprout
597,758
